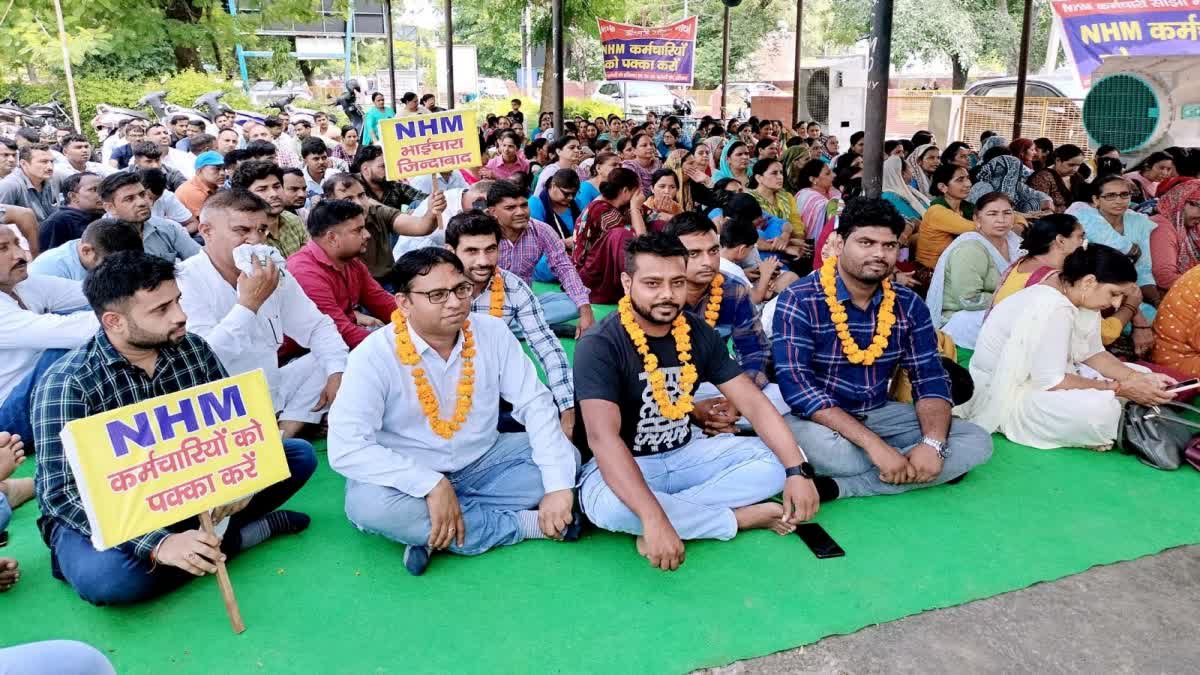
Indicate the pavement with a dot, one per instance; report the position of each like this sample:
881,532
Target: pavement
1137,616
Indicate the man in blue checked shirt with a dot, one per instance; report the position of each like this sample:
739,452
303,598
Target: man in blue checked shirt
841,414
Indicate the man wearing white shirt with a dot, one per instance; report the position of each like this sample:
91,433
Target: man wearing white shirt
458,200
245,318
448,180
76,155
164,203
40,319
183,162
440,476
75,258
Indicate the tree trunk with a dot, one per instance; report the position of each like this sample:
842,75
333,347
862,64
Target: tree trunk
217,56
960,74
307,71
187,57
546,104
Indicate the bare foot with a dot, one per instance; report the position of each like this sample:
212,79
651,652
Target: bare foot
290,428
765,515
9,573
12,454
641,546
17,491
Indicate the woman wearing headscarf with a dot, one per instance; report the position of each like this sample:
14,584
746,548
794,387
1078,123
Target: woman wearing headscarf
735,163
600,237
794,157
923,161
829,148
695,191
819,202
1175,243
1006,174
910,203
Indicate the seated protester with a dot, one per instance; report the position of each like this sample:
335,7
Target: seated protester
725,305
285,232
295,193
125,198
509,161
1176,333
424,463
474,236
1175,241
556,206
447,180
838,391
969,270
1145,177
739,240
383,221
31,184
458,201
663,203
333,275
246,317
649,476
607,226
897,176
569,155
142,350
766,187
526,241
81,192
1110,221
316,168
818,202
368,164
210,176
1060,179
147,155
74,259
1007,174
177,164
164,202
1029,381
77,158
40,319
949,215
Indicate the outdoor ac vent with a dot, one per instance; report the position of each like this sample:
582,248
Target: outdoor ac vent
1139,104
815,85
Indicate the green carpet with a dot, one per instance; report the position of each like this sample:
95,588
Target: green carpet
333,600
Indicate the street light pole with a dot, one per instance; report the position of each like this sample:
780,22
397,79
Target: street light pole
1022,67
449,54
556,99
880,56
725,64
796,76
391,40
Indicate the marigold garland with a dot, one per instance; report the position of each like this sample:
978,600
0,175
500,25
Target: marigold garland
658,380
713,311
497,300
837,311
425,394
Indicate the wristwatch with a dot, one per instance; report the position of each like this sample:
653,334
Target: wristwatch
943,450
803,469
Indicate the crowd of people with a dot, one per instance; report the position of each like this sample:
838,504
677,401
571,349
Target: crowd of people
776,331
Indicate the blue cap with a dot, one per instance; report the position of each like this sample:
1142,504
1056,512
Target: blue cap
209,158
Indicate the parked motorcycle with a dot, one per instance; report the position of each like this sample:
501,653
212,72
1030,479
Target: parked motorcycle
348,102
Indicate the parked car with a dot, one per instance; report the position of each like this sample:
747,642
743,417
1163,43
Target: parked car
644,97
1053,107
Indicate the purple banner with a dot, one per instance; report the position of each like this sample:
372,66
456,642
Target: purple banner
660,54
1096,29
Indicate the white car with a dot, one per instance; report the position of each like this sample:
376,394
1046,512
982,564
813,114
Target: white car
644,97
492,87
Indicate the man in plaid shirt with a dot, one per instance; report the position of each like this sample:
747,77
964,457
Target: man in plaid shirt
142,350
474,237
841,414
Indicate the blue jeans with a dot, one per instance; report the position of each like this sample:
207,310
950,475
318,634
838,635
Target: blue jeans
490,492
5,513
897,424
697,485
558,307
118,577
63,657
14,412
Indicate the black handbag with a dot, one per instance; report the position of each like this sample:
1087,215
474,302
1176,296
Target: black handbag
1158,437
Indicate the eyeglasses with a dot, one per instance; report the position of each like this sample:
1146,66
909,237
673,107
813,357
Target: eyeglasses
1110,196
439,296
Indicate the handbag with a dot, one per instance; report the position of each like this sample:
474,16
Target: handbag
1156,436
1192,454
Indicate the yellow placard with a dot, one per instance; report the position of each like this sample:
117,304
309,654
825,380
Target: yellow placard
419,144
153,464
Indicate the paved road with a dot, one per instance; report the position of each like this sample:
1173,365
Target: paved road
1140,616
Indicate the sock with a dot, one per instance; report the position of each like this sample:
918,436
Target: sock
274,523
527,522
827,488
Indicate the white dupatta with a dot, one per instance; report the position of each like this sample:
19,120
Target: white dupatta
964,326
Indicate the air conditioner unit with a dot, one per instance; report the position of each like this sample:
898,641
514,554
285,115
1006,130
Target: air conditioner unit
835,96
1140,104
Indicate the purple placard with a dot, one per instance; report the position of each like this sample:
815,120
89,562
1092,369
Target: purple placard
1100,28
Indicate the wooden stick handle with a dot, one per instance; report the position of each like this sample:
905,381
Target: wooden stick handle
231,606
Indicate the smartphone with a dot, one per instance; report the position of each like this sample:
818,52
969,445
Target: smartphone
819,542
1184,385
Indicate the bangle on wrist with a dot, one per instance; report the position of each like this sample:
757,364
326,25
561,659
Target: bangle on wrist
1137,327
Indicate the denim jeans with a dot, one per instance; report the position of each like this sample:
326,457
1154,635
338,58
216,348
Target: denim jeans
118,577
698,486
14,412
490,492
5,513
558,307
62,657
897,424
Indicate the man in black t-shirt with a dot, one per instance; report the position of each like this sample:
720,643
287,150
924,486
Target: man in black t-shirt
649,475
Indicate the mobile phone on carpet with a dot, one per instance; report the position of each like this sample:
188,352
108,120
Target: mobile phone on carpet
1184,385
818,540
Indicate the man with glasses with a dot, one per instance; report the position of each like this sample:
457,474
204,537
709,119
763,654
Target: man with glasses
414,430
331,271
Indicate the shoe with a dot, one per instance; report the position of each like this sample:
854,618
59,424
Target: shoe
416,559
575,528
563,330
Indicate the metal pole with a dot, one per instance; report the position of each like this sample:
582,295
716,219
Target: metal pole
528,54
449,54
796,77
349,39
879,68
556,20
391,40
1022,66
725,64
62,37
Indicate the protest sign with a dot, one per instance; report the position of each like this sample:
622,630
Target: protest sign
1099,28
146,466
419,144
656,54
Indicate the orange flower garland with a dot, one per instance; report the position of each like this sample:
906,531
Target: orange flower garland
837,311
497,300
658,380
425,394
713,310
